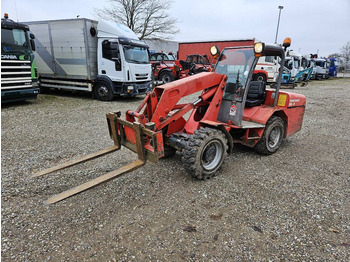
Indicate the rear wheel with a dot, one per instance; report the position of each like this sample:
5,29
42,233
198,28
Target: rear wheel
166,77
103,91
272,137
260,77
205,153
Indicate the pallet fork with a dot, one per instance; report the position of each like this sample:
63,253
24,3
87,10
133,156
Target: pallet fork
147,144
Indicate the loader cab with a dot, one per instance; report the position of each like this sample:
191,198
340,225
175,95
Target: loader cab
238,64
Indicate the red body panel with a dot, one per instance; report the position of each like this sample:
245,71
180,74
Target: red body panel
290,107
203,48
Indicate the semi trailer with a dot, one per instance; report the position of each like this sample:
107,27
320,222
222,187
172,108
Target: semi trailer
104,58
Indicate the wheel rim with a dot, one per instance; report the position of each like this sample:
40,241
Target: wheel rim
260,78
211,155
166,79
274,137
103,91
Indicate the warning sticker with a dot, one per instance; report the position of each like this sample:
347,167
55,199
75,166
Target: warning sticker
282,99
233,110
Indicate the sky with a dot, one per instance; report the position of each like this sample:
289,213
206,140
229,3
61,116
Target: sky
321,26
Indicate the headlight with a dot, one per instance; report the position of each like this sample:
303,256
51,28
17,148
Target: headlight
258,48
130,87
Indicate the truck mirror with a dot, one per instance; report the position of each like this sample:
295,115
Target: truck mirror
32,43
118,64
115,54
31,36
114,46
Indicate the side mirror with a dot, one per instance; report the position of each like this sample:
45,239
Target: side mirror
31,36
114,46
32,43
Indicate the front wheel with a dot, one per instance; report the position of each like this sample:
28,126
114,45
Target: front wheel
204,153
103,91
272,137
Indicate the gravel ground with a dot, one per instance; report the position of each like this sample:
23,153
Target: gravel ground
293,205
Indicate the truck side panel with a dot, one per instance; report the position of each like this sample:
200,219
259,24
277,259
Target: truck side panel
66,48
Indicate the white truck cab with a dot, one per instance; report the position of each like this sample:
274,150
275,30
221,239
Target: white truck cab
293,62
322,68
101,57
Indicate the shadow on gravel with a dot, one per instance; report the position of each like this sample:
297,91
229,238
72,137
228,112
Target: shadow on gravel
18,104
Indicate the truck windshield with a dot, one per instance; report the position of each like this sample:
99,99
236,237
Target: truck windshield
136,54
320,63
236,64
296,63
14,40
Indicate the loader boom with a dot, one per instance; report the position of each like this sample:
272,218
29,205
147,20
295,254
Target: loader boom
140,135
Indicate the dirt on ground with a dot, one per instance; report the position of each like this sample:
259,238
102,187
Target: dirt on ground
293,205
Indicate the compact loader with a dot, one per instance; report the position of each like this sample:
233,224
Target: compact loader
231,108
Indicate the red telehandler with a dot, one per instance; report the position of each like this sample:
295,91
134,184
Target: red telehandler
231,108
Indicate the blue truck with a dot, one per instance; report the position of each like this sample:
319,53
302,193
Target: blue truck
333,66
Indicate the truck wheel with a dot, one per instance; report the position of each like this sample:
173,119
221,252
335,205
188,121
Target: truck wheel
103,91
272,137
260,77
204,153
166,77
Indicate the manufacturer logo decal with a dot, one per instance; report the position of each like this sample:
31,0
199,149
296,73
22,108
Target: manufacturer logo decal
9,57
233,110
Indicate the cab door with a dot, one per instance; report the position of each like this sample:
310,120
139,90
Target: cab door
110,60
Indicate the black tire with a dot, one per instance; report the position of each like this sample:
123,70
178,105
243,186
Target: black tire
103,91
205,152
272,137
166,77
260,77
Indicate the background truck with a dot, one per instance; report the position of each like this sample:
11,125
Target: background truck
101,57
293,63
322,68
18,70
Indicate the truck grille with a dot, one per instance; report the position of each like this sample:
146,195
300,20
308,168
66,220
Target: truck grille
141,76
15,74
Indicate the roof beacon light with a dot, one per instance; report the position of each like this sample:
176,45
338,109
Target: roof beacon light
287,42
6,15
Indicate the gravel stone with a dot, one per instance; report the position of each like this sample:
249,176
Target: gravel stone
291,206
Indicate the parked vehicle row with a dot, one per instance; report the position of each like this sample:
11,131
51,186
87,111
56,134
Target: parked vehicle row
108,60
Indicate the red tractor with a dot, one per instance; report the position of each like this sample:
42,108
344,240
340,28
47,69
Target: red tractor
165,67
231,108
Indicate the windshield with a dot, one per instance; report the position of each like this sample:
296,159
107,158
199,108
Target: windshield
296,63
320,63
236,64
14,40
136,54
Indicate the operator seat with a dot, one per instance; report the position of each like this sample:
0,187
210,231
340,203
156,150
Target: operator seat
256,94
